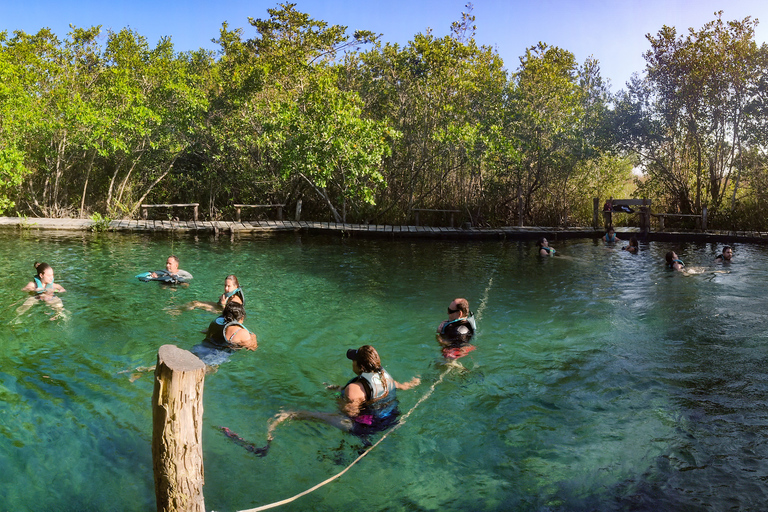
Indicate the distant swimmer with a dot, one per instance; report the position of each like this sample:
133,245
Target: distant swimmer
725,256
674,262
544,248
455,333
610,236
171,275
633,247
44,289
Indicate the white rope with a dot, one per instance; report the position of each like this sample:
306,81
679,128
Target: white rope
478,314
366,452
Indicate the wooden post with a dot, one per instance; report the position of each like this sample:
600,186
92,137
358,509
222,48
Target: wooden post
177,429
704,219
195,211
279,212
298,210
595,207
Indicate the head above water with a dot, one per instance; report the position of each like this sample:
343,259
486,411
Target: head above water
172,263
727,252
459,306
234,312
40,268
671,256
542,243
231,283
44,272
366,357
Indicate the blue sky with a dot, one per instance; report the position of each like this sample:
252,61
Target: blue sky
612,31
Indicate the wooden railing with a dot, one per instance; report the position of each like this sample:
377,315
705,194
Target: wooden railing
146,207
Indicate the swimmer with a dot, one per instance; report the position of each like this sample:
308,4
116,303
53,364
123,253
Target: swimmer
172,273
228,332
368,402
44,289
460,325
632,248
725,256
544,248
232,292
610,236
674,262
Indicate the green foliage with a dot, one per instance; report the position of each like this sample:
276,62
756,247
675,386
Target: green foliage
100,223
301,109
687,120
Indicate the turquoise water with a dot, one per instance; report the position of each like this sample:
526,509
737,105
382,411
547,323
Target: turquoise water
601,381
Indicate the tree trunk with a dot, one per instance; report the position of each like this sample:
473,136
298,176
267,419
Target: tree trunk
85,186
177,428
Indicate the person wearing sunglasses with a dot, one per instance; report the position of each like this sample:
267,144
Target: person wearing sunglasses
459,327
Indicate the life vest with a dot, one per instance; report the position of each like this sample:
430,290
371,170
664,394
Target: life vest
217,333
460,330
611,238
237,291
672,265
375,387
39,288
549,250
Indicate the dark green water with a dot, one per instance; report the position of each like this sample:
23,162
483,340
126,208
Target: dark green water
601,381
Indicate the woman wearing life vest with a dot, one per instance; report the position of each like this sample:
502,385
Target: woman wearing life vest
674,262
232,293
368,400
228,331
44,289
544,248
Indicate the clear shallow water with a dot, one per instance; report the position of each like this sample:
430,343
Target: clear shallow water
602,381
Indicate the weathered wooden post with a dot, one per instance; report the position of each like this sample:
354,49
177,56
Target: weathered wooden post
298,210
177,428
595,207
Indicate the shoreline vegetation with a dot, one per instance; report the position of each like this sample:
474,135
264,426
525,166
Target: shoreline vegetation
296,111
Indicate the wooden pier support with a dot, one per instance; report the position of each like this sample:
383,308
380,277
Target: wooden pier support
177,429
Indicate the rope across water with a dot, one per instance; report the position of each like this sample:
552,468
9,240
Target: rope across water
403,420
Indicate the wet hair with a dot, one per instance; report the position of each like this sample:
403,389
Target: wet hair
609,230
633,241
233,278
176,258
670,257
41,267
726,247
462,305
368,359
234,312
540,243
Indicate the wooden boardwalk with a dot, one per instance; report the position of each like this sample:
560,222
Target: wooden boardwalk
363,230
